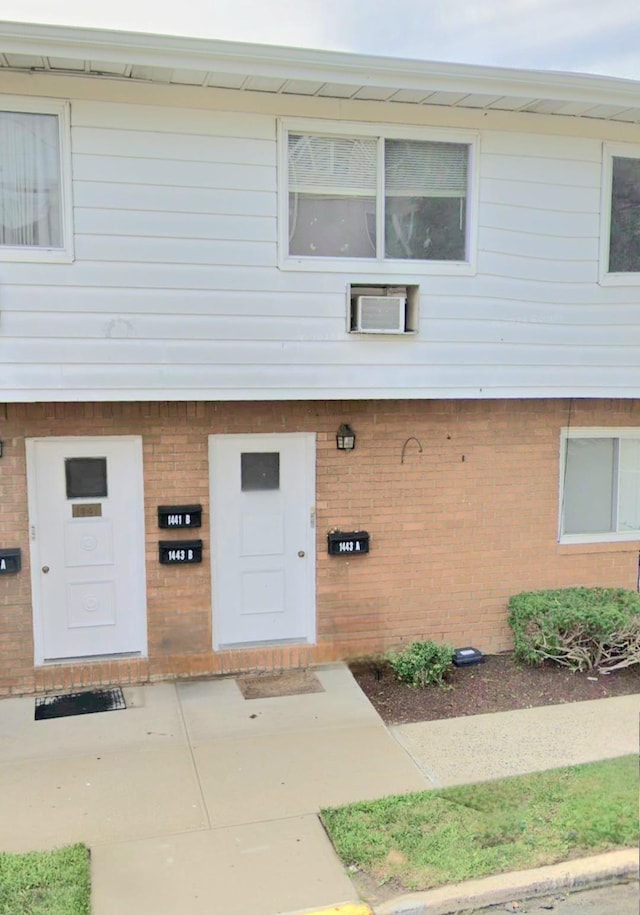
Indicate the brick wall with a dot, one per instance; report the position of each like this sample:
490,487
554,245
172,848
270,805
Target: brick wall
460,499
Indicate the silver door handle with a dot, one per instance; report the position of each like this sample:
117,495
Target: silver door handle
45,569
301,554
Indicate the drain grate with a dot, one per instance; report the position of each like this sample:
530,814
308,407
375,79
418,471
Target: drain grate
96,700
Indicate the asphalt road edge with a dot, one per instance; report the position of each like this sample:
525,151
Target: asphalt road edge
502,888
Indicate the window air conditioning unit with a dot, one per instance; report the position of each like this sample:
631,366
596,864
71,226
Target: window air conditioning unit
380,314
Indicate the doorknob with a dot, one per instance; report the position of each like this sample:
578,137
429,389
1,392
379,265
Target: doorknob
301,554
45,569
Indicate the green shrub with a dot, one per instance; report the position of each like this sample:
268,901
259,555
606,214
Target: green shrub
422,663
580,628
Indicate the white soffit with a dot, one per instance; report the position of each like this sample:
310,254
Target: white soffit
411,96
338,90
61,63
301,87
24,61
189,77
292,71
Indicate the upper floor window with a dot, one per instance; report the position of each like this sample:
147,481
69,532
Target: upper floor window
600,491
34,180
621,214
376,198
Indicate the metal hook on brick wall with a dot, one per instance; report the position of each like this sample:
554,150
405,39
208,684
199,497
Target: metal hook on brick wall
411,438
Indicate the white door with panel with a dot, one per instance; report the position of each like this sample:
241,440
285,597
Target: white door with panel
87,546
263,538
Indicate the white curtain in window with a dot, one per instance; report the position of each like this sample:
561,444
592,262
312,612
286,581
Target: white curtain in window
29,180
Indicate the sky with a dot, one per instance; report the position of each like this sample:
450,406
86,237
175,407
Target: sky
590,36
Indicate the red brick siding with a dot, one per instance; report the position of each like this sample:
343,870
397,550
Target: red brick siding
459,520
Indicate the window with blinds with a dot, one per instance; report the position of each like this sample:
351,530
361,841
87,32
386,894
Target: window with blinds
377,198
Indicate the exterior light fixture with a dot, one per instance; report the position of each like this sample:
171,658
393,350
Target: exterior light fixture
1,447
345,438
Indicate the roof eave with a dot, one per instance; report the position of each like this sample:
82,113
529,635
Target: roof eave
198,54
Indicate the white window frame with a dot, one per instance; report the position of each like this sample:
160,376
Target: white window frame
610,151
38,253
377,266
591,432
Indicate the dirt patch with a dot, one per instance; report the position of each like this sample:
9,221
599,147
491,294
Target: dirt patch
286,683
499,684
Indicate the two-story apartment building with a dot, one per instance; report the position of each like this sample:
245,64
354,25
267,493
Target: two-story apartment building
215,257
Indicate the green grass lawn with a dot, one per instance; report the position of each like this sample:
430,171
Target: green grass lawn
433,838
46,883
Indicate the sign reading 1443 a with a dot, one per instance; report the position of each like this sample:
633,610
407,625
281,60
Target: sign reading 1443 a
355,543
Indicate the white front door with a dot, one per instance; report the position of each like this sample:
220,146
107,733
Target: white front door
263,538
87,546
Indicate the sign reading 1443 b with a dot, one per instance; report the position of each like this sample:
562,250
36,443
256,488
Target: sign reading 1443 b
180,552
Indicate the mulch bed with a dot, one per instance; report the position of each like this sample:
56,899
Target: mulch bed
499,684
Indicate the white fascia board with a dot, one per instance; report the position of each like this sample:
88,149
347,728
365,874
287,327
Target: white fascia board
323,66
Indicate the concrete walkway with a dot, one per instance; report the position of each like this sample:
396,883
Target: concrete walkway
459,751
195,800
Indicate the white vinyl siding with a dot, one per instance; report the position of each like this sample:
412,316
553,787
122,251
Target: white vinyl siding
35,186
176,291
600,485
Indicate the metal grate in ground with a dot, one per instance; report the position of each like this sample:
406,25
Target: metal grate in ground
85,703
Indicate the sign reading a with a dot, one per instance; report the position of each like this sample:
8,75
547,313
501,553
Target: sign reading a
10,561
180,552
179,516
355,543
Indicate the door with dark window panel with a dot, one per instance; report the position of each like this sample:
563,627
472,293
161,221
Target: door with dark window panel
263,536
87,547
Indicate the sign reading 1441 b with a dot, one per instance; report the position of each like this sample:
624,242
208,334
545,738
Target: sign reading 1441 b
179,516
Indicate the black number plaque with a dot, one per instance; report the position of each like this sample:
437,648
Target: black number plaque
180,552
10,561
176,516
355,543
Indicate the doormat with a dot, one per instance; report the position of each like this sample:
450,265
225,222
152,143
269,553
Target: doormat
95,700
286,683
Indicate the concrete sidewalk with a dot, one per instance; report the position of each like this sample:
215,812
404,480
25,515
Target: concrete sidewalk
195,800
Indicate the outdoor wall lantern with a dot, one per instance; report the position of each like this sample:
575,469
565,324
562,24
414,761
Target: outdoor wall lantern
1,447
345,438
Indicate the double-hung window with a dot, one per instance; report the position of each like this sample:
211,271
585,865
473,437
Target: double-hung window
600,485
386,198
620,254
35,195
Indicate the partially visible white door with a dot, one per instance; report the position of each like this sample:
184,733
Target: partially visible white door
87,546
263,538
